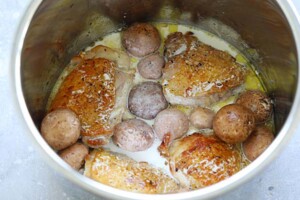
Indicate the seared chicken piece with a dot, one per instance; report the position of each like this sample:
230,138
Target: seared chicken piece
198,74
121,172
96,90
198,161
177,43
121,59
89,91
123,77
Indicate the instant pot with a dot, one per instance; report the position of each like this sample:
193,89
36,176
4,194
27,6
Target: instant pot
53,31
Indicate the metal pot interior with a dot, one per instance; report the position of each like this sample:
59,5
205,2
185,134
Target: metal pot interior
61,28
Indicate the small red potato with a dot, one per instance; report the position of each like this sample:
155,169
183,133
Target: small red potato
258,102
75,155
151,66
257,142
202,118
146,100
233,123
171,121
133,135
61,128
141,39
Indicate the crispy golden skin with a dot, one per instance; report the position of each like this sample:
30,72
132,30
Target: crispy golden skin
119,171
198,161
89,91
198,74
96,90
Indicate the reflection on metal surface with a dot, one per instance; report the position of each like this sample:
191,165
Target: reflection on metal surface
61,28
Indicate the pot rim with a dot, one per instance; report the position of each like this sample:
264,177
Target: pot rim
288,129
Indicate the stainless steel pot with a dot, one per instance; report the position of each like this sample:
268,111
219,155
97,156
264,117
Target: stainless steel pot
52,31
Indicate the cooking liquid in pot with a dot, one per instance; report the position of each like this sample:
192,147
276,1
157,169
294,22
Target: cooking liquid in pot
113,41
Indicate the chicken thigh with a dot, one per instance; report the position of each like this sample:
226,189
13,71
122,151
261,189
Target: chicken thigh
197,74
122,172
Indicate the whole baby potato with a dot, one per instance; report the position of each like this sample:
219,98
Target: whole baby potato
141,39
258,102
202,118
75,155
233,123
151,66
257,142
171,121
60,128
146,100
133,135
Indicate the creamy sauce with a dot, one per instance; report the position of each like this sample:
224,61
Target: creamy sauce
113,41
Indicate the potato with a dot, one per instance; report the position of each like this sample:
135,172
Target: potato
202,118
233,123
151,66
75,155
171,121
258,103
146,100
141,39
133,135
60,128
257,142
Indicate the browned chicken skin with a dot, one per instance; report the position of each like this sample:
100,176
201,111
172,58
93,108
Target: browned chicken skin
89,91
96,91
198,74
119,171
198,161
